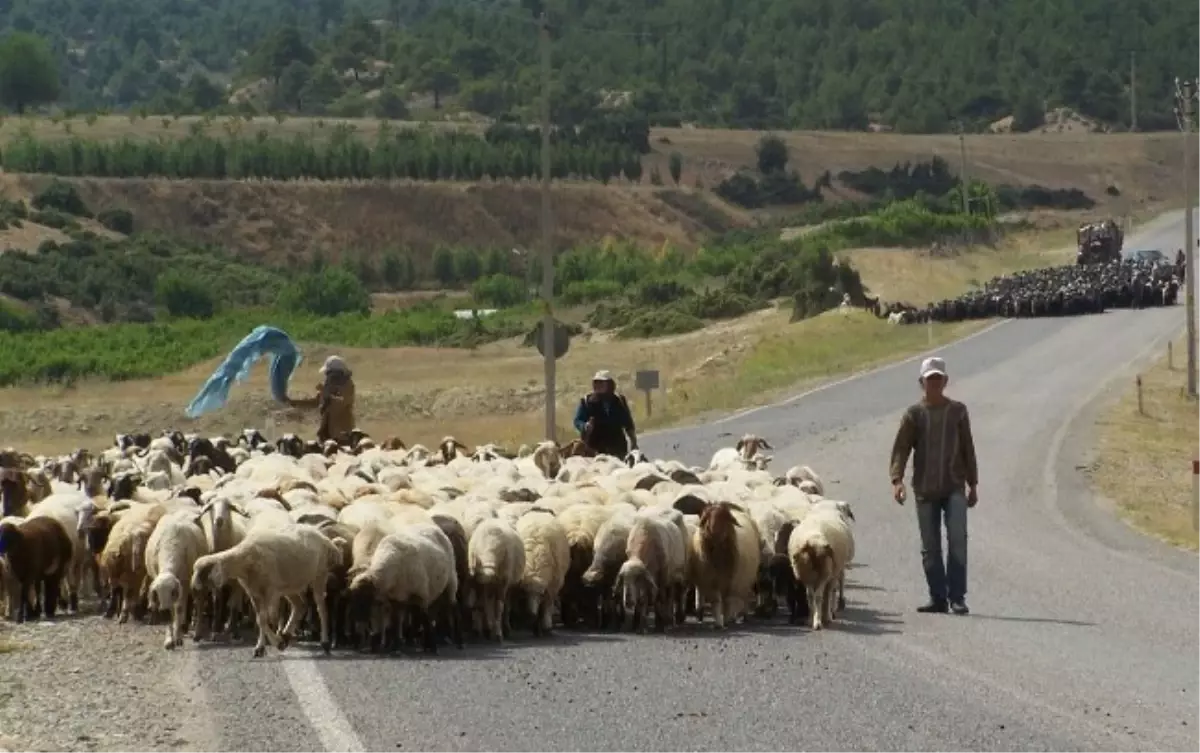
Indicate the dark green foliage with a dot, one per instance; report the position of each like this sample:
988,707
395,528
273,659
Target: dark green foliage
676,166
117,220
660,323
419,154
14,319
444,269
764,63
28,71
498,290
330,292
55,219
62,196
184,296
772,154
397,271
902,181
120,276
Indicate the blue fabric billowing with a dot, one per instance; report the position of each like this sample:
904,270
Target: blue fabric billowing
264,340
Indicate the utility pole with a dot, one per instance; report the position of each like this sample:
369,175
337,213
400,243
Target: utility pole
962,170
1132,90
547,249
1185,95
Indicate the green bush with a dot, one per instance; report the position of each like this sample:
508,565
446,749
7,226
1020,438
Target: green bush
117,220
62,196
499,291
660,323
55,219
15,319
590,291
330,292
185,296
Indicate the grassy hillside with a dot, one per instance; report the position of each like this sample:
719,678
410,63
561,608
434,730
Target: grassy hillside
913,65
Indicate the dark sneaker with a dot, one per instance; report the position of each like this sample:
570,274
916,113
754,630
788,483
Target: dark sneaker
933,607
959,607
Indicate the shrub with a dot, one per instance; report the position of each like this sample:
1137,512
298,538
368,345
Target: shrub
55,219
330,292
590,291
183,295
499,291
117,220
15,319
62,196
660,323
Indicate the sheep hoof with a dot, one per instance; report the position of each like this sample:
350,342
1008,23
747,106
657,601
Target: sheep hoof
259,651
123,619
327,647
169,644
284,642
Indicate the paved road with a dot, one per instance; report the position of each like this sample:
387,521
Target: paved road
1083,634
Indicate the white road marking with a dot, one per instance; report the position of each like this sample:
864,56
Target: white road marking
318,705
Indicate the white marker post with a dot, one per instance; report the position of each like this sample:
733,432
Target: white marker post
1196,495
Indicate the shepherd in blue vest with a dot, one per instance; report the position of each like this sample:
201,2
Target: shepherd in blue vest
603,419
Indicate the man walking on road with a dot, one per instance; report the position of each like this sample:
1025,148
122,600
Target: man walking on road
937,432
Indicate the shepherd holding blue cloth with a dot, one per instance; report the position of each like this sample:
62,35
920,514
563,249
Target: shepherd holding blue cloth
335,392
334,400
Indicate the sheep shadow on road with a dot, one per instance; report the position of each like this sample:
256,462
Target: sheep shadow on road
1032,620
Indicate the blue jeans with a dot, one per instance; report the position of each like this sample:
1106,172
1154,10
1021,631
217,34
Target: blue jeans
946,581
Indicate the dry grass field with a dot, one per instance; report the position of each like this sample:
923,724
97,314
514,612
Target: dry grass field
283,221
1144,461
495,393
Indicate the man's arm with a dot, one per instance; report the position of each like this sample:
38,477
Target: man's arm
902,447
966,444
580,417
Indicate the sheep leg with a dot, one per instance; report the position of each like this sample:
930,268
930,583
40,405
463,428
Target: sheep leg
50,589
179,615
830,601
115,596
298,607
816,605
258,602
841,604
322,615
718,605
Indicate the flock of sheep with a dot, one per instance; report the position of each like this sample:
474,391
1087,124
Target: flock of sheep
1052,291
377,546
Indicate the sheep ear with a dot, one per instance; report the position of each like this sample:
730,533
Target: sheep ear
461,446
740,444
766,444
239,510
203,510
782,537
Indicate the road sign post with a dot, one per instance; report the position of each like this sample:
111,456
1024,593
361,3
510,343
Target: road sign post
1196,495
647,382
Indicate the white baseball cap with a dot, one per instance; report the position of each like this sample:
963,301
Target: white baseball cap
334,364
933,365
603,376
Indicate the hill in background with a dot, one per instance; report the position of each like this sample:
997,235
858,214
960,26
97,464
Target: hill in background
909,65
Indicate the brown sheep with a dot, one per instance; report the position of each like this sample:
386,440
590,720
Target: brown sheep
38,553
14,491
393,443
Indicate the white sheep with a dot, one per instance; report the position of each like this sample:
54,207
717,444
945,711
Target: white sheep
271,564
496,559
655,566
819,548
414,566
171,552
547,559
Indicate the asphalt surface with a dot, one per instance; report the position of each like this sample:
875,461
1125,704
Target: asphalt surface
1083,634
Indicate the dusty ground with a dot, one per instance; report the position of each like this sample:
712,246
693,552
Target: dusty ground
96,685
495,393
1144,461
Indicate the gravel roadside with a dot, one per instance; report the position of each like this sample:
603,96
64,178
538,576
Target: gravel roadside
86,683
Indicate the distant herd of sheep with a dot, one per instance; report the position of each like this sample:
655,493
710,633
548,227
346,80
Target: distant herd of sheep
378,546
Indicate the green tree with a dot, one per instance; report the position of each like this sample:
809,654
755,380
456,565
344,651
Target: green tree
499,291
28,71
438,78
444,270
467,265
329,292
1028,113
390,104
772,154
279,50
185,296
